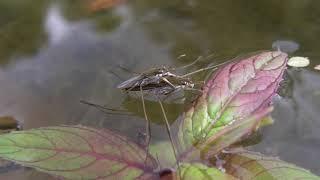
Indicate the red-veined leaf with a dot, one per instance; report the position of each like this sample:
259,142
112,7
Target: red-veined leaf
77,152
250,165
224,138
240,90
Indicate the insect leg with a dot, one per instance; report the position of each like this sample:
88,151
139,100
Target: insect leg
170,135
116,75
199,82
168,82
193,89
148,127
127,70
107,110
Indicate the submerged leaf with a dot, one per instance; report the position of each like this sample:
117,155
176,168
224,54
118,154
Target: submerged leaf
163,152
77,152
250,165
237,92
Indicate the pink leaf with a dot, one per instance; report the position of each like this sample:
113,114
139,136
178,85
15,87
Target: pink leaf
237,92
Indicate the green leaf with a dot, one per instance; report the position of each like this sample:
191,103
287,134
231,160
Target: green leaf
77,152
255,166
200,171
231,134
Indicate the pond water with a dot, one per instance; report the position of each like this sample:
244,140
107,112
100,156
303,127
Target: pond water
55,53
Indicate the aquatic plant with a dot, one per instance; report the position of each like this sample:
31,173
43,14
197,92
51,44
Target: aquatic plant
235,102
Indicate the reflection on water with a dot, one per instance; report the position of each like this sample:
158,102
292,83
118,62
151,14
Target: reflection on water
285,46
59,53
21,28
46,88
56,25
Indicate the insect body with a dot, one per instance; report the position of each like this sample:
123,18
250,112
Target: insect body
159,81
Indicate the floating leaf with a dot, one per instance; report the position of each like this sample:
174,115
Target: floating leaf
250,165
298,62
77,152
236,92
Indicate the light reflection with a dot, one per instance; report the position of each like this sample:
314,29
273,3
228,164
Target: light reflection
56,26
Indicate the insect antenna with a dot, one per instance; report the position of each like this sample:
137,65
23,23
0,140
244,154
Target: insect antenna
210,67
170,135
199,70
116,75
195,61
188,65
214,67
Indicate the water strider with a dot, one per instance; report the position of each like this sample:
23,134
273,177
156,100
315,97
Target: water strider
163,80
160,82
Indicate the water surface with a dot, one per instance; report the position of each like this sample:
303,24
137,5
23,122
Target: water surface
55,53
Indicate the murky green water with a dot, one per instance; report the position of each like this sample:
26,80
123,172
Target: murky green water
54,53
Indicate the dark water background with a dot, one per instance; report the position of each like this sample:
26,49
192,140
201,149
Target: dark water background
54,53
